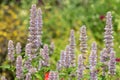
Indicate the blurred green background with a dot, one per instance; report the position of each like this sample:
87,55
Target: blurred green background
59,17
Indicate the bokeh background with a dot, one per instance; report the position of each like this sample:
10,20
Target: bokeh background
59,17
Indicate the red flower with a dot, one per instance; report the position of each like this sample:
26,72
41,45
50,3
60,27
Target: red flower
46,75
117,59
102,17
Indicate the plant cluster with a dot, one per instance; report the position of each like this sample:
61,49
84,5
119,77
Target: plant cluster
34,62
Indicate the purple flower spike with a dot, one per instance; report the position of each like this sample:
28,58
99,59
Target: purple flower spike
11,51
35,29
112,63
72,48
19,71
83,41
45,56
80,67
18,48
93,62
108,38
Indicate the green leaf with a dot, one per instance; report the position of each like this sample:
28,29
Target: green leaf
38,76
5,66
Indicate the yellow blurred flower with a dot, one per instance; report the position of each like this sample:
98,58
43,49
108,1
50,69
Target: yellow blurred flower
11,26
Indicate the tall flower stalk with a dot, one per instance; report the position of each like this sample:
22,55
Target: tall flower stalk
39,20
45,56
103,55
103,59
19,71
93,55
80,67
11,51
28,49
67,57
72,48
83,41
93,62
39,27
108,38
112,63
61,62
28,54
35,29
